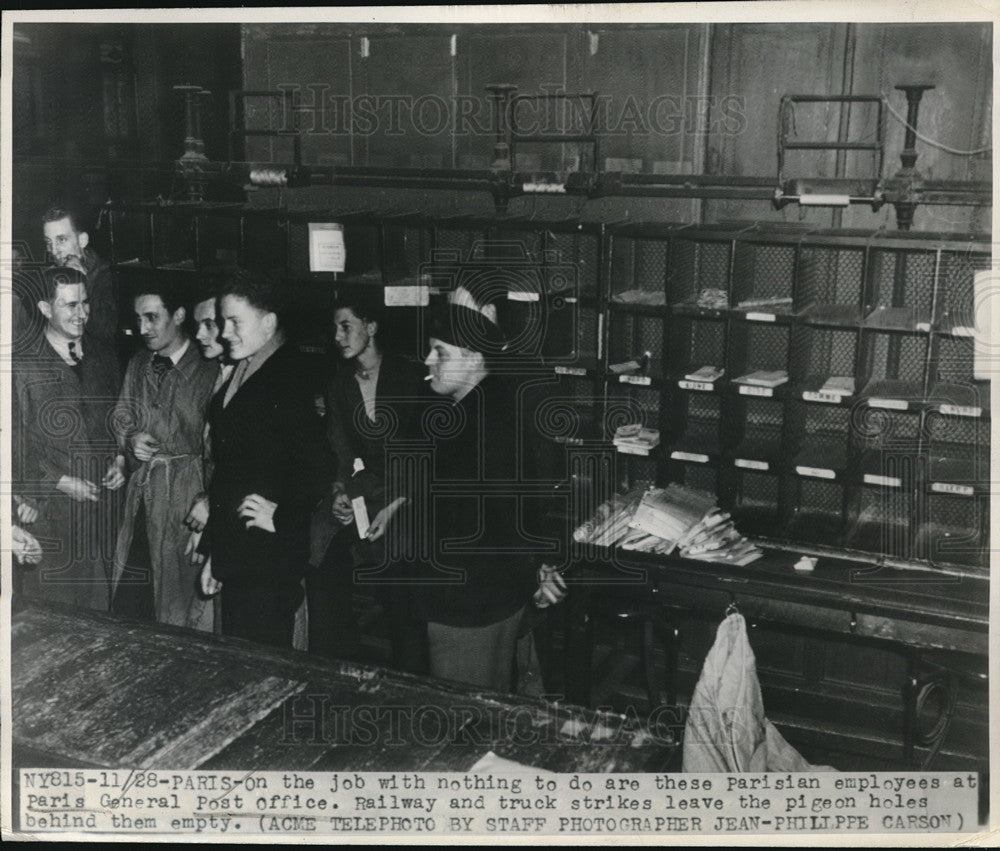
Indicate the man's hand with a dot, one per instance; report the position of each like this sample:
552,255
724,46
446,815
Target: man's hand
210,586
551,587
258,512
27,511
82,490
26,548
115,477
376,529
191,550
343,511
144,446
197,517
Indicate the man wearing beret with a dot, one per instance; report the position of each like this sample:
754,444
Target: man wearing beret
483,571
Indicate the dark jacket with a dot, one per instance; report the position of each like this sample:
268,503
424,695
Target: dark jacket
101,292
484,555
399,400
268,440
64,422
62,426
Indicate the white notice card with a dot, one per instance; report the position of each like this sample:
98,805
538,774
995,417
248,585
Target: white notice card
326,247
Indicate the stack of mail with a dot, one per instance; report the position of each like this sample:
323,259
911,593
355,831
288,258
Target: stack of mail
635,439
665,519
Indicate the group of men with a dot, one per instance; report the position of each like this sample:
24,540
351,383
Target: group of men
197,475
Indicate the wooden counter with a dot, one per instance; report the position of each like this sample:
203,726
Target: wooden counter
92,690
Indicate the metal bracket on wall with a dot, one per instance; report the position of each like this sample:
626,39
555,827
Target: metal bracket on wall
503,182
829,191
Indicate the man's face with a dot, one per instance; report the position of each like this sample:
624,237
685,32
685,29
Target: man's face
64,244
160,330
207,334
246,328
353,335
68,311
451,368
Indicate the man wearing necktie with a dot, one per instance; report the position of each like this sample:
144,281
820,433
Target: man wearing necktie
65,463
66,243
161,423
271,465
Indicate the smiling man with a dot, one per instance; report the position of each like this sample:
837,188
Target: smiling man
271,466
208,336
64,461
67,245
161,431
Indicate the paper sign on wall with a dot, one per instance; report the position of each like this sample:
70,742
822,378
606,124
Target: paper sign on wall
326,247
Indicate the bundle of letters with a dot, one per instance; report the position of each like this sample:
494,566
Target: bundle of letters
636,439
664,519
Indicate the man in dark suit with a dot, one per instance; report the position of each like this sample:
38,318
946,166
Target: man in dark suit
372,403
271,467
64,453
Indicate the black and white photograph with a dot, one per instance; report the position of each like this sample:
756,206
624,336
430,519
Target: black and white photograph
498,425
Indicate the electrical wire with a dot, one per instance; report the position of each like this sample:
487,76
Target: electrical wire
922,137
930,141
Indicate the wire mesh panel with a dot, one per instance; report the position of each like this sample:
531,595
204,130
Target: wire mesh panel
758,346
819,437
882,521
570,334
579,251
627,404
816,511
697,266
763,276
891,431
958,451
830,283
956,290
695,476
406,246
758,431
955,529
897,358
901,289
953,375
695,428
561,411
955,359
638,269
695,343
632,335
755,502
818,354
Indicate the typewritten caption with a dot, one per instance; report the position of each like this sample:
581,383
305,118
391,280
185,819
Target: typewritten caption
237,804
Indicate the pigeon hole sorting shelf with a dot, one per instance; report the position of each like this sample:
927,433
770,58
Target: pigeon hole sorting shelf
879,324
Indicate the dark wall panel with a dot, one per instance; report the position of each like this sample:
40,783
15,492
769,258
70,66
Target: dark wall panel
411,80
